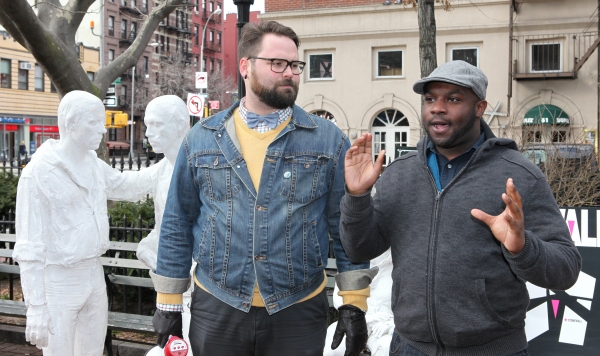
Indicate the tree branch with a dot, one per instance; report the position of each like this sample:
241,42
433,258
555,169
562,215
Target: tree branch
130,57
58,60
9,26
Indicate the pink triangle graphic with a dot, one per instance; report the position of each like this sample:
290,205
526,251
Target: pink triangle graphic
555,307
571,226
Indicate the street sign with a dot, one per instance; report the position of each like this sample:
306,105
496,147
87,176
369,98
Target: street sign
201,80
117,81
214,104
110,101
111,90
195,103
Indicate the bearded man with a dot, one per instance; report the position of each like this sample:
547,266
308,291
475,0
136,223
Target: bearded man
254,200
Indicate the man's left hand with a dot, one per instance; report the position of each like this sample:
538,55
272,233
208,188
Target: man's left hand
351,323
509,226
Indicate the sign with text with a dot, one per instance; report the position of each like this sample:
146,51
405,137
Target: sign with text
201,80
568,322
214,104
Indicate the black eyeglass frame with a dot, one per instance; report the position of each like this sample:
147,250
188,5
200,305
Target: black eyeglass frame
288,64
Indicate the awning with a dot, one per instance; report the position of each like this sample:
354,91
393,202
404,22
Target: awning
546,115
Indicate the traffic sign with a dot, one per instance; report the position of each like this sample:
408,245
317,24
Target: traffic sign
201,80
195,103
117,81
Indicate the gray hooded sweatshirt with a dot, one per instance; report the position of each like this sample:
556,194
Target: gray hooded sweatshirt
457,290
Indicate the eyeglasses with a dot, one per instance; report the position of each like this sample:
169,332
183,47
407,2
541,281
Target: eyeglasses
279,65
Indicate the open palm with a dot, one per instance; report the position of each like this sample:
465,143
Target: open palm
360,171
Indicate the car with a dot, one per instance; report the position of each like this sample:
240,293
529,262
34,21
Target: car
572,153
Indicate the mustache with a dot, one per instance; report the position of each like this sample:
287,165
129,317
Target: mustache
286,82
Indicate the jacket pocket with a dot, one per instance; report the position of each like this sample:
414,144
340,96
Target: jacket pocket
470,319
304,177
216,176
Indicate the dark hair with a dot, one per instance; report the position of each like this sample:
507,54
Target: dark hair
253,33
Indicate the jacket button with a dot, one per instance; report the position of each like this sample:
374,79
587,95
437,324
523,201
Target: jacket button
287,174
260,258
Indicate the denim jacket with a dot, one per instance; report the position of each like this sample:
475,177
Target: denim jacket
278,236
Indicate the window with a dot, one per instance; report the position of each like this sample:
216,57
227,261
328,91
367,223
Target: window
196,7
111,55
145,64
144,6
467,54
533,135
91,75
390,63
211,36
124,92
325,114
218,66
320,66
219,38
203,5
111,25
196,40
52,88
39,78
133,29
23,78
390,131
546,57
5,73
211,7
124,29
559,136
203,65
212,65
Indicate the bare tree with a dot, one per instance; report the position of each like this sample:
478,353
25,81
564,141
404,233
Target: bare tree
175,77
568,163
49,36
218,86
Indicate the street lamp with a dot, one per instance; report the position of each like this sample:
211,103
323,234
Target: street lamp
243,9
216,12
154,44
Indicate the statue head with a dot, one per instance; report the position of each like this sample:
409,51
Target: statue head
81,118
167,122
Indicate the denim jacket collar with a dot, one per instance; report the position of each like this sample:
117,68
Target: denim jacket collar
299,118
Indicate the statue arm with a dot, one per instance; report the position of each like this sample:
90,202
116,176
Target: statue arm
130,185
30,253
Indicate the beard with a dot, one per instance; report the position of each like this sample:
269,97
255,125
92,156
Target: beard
456,137
278,99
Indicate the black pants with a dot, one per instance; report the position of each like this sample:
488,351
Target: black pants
219,329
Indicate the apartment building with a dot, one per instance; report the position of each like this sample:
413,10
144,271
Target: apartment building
363,57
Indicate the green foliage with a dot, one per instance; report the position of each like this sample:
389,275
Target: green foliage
132,211
8,192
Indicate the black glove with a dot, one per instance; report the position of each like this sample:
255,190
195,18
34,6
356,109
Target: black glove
352,323
167,323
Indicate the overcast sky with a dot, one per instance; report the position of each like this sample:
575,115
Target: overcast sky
229,6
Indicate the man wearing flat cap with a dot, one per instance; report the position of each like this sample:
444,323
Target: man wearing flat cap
469,221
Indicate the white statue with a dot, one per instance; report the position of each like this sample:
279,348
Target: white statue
167,123
379,316
62,230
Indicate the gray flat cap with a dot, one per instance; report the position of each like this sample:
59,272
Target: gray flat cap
458,73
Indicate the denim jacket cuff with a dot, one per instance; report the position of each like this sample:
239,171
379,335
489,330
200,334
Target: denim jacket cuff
167,285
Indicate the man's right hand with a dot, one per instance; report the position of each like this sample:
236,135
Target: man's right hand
39,325
167,323
360,171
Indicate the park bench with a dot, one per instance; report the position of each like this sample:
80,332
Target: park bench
119,262
117,321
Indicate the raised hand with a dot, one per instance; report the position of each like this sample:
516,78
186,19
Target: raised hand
360,171
509,226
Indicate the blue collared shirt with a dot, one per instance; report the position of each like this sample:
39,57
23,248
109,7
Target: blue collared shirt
442,169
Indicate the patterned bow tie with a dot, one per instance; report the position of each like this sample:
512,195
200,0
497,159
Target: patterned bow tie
270,120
